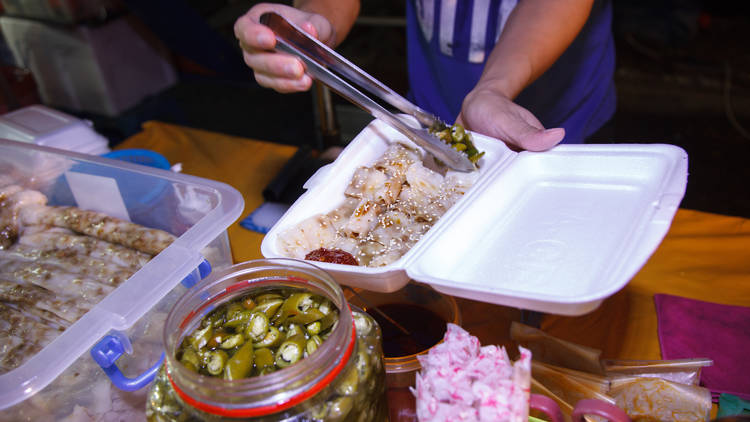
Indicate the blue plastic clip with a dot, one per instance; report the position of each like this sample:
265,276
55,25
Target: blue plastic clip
112,346
204,269
107,351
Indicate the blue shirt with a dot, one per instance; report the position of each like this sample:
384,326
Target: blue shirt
448,42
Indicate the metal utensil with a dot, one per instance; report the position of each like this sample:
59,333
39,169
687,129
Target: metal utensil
322,62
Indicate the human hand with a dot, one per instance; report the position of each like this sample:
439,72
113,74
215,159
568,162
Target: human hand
281,72
491,113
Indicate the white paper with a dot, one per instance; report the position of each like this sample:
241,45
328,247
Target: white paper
97,193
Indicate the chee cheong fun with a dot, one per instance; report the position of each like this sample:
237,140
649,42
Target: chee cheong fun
388,207
56,263
461,380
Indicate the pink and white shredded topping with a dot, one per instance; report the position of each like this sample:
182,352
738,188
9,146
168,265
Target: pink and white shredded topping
461,380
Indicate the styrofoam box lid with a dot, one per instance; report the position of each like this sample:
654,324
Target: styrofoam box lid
198,222
555,232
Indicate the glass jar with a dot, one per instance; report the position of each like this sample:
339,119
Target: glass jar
344,379
435,310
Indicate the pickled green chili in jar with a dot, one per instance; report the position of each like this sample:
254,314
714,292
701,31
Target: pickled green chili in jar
269,340
258,333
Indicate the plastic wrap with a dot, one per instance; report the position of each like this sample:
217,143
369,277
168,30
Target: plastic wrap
684,371
656,399
554,351
647,390
539,388
571,385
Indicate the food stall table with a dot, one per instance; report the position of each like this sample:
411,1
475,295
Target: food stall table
703,256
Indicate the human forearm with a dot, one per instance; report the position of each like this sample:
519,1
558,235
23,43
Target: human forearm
340,13
536,34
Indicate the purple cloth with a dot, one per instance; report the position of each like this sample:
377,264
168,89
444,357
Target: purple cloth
690,328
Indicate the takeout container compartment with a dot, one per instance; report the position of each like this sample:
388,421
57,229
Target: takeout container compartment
63,379
555,232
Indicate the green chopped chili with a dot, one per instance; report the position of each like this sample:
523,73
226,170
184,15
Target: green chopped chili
217,359
291,330
200,338
349,383
240,364
322,324
312,344
264,361
339,408
232,341
294,305
257,327
273,338
291,350
306,317
268,296
269,307
238,318
457,137
190,359
258,333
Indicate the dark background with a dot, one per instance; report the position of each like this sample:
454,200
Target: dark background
682,78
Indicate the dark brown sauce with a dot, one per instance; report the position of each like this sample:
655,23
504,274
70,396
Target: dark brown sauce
426,327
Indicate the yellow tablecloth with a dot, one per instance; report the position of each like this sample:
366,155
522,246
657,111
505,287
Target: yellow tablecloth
704,256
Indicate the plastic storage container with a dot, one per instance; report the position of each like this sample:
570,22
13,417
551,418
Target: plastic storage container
45,126
344,379
96,367
556,232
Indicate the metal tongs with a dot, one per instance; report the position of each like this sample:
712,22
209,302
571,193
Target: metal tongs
322,62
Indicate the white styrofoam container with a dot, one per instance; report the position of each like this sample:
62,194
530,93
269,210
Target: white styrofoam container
62,380
556,232
42,125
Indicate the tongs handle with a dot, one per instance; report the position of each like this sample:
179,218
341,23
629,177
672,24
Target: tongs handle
318,58
324,56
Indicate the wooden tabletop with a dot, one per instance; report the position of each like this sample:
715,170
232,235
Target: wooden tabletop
703,256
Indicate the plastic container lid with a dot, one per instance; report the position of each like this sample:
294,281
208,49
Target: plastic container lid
556,232
144,157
